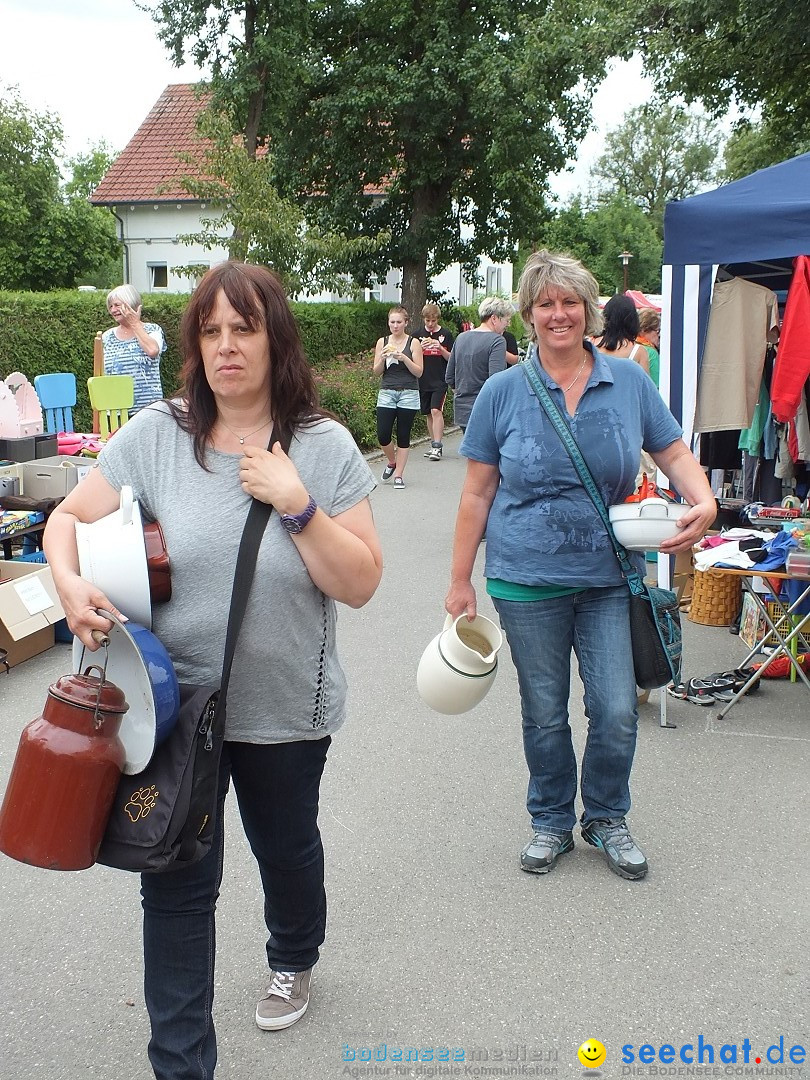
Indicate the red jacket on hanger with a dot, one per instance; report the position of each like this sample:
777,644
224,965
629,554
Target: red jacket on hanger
793,356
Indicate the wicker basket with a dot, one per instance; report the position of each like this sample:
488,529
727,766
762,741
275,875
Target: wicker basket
716,598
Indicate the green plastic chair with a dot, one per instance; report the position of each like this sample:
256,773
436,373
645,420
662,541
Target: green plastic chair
111,396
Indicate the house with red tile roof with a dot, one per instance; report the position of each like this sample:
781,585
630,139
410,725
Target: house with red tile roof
143,188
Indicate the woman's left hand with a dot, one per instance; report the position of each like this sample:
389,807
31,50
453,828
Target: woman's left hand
692,527
128,316
271,477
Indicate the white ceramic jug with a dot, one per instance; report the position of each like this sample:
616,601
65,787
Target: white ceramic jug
459,665
112,554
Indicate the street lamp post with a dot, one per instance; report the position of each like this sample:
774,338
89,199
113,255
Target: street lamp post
625,256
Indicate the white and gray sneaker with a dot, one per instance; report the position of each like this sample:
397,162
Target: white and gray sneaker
286,1000
435,453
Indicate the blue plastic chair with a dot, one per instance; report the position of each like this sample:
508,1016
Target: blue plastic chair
57,396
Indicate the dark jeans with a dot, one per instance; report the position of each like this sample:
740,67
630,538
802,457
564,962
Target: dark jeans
277,788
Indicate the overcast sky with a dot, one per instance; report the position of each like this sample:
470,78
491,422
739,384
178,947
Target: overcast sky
99,65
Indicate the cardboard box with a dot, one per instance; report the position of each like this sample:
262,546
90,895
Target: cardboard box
29,606
53,477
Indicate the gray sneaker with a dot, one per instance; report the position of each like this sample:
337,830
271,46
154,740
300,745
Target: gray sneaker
623,855
435,454
543,850
286,1000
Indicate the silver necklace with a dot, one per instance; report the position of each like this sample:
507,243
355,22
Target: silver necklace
242,438
581,367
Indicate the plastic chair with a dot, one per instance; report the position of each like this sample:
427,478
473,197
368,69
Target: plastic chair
57,396
112,396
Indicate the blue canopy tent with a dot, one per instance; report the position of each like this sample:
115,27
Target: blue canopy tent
753,228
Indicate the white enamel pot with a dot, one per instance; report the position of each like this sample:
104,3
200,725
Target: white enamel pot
645,525
459,665
112,554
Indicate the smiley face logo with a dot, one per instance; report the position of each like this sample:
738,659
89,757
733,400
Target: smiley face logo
592,1054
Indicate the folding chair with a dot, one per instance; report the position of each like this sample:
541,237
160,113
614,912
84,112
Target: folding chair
112,396
57,396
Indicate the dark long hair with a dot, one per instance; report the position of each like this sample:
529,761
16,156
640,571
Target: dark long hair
259,297
621,322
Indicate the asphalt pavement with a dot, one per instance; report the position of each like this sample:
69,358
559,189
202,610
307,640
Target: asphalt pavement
442,957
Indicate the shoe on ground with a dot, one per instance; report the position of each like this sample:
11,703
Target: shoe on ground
286,1000
435,453
642,696
622,854
399,483
543,850
387,473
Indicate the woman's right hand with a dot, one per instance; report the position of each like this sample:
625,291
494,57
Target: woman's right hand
461,600
81,602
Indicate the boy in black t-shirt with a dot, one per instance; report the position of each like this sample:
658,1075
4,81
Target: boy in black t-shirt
436,345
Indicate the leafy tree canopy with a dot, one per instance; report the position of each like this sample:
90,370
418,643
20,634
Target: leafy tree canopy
658,153
599,234
726,51
454,114
49,237
756,146
265,228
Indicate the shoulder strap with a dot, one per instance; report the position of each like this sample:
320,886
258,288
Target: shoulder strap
255,525
584,473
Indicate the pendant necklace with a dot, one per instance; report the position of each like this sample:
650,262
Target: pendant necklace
242,438
567,388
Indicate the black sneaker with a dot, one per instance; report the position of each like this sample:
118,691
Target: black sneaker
543,850
623,855
388,472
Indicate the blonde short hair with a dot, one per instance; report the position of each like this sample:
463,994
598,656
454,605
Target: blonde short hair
128,293
648,320
495,305
547,269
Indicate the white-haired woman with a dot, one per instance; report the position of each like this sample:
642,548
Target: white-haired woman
133,347
477,354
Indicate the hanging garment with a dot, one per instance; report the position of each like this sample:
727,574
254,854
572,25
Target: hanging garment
793,359
741,318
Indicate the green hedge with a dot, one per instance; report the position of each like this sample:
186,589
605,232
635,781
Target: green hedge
44,332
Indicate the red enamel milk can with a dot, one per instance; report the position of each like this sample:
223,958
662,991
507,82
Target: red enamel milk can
65,775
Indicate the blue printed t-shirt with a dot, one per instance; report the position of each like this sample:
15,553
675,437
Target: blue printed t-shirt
543,528
128,358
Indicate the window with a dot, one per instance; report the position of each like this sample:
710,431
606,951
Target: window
158,276
375,292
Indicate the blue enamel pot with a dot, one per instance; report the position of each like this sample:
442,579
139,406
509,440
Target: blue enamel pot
138,663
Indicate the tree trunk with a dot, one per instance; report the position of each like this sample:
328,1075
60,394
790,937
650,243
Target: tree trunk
414,287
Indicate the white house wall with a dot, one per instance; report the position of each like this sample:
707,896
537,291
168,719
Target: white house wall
150,234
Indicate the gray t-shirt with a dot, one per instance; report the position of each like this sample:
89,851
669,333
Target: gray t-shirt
287,683
476,354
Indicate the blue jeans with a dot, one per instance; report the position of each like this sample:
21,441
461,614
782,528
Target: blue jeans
541,634
277,788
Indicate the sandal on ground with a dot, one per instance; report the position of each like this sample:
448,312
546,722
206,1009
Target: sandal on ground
694,691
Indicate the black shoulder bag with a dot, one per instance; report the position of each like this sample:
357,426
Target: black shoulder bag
655,618
163,818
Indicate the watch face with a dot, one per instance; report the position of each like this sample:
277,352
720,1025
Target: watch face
291,524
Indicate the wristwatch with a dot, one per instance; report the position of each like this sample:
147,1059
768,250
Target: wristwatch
296,523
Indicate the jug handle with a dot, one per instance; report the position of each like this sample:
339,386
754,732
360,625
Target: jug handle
448,622
126,505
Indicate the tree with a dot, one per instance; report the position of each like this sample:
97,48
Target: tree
598,235
265,228
255,50
756,146
728,51
49,237
440,123
658,153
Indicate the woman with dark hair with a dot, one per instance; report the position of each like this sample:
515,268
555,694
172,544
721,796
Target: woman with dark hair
195,464
620,330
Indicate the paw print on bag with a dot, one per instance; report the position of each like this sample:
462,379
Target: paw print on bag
141,803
